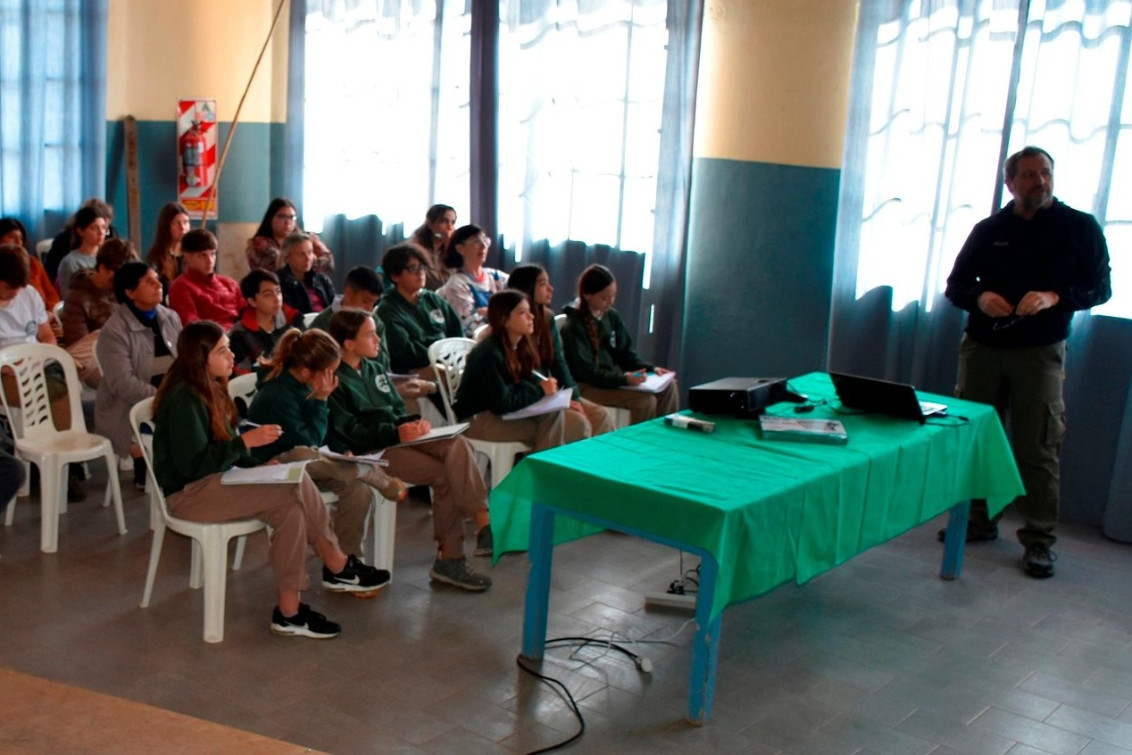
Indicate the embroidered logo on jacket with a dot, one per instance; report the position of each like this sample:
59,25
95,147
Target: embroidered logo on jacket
436,316
382,383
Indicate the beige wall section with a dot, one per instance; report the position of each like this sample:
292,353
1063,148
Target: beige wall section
774,80
161,51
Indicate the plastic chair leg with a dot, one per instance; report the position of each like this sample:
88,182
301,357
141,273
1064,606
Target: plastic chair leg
502,462
52,487
384,532
195,569
215,576
114,490
154,558
238,559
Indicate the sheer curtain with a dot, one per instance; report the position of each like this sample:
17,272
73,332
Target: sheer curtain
53,119
942,92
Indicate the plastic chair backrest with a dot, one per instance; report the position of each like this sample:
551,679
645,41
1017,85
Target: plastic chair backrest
29,361
57,310
242,390
447,357
560,321
141,414
308,318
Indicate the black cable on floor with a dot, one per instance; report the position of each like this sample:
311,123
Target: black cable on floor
551,681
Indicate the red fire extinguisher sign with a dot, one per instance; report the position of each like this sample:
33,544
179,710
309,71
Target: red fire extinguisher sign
196,155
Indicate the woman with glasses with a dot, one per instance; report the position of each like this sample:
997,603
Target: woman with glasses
471,286
280,221
414,317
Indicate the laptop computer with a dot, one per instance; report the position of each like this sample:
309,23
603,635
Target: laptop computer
883,397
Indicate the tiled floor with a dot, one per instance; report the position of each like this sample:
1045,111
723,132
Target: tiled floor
878,656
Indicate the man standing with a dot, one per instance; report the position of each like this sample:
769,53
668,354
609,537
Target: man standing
1021,275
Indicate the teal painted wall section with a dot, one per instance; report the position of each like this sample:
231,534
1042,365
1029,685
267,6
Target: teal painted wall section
249,181
760,269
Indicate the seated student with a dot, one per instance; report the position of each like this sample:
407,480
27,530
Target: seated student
136,347
600,351
195,442
201,293
90,230
292,393
469,288
66,239
23,319
304,288
363,289
500,377
12,231
414,317
165,253
263,322
432,236
366,414
279,222
588,418
90,302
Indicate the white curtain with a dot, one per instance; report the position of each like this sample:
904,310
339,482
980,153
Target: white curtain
386,111
943,91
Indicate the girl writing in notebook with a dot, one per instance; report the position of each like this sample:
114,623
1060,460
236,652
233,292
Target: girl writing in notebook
600,352
195,441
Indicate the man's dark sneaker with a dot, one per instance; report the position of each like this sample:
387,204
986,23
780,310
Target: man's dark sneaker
306,623
1038,561
455,571
76,483
355,577
974,534
139,473
485,543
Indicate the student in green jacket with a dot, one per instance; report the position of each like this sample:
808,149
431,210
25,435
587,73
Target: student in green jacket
600,352
363,289
366,414
195,442
292,393
414,317
585,417
500,376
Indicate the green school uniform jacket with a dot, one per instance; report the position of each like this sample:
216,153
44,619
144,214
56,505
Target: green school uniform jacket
615,355
412,328
183,448
283,401
487,385
558,368
364,410
322,322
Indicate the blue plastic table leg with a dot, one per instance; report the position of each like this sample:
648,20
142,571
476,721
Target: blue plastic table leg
541,555
954,541
705,647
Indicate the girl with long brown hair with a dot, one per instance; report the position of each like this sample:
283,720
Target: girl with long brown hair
165,252
195,441
600,354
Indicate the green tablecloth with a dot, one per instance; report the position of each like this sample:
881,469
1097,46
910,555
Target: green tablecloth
768,510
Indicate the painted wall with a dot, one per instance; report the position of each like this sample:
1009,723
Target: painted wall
770,122
160,52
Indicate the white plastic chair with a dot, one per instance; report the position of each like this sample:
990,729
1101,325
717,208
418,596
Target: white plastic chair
210,541
447,357
308,318
37,441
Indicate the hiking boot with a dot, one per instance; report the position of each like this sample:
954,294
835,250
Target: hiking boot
354,577
306,623
1038,561
139,473
485,543
455,571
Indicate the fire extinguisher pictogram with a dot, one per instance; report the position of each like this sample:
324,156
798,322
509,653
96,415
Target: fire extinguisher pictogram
192,152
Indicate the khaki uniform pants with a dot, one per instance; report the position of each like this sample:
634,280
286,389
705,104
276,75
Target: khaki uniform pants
642,406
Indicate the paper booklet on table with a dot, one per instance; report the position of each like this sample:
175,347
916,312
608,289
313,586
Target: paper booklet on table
436,433
653,383
374,458
814,430
545,405
290,473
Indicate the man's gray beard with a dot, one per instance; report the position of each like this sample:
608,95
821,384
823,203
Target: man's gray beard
1035,203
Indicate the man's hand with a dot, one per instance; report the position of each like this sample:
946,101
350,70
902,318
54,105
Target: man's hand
993,305
1035,301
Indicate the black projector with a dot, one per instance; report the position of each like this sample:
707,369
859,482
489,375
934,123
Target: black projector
738,396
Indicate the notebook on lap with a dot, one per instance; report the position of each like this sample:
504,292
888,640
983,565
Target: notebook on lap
883,397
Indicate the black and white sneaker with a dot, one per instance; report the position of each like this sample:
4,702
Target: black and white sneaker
306,623
355,577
